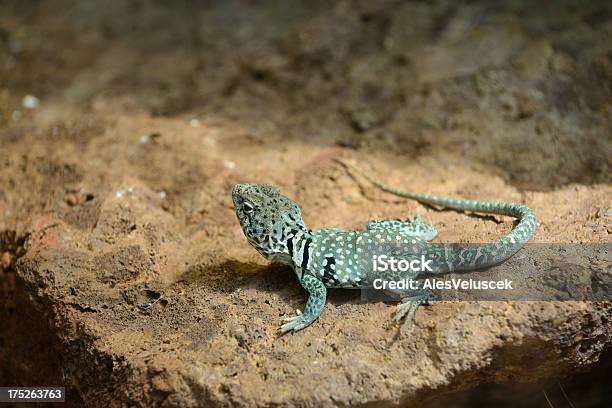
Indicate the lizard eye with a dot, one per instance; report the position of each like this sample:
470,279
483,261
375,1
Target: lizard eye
247,207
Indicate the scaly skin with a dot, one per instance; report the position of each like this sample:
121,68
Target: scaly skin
332,258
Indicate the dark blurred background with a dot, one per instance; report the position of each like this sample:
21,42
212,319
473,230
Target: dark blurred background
417,78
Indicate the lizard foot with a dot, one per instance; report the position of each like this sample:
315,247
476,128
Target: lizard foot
408,307
294,323
313,307
424,230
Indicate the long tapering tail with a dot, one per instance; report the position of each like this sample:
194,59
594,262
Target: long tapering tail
449,258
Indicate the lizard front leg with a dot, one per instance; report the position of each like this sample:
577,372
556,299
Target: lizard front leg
316,300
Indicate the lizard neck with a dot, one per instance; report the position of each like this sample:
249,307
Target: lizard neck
299,250
295,245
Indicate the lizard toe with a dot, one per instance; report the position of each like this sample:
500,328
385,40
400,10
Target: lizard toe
293,323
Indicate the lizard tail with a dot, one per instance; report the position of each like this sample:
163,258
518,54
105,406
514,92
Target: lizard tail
449,258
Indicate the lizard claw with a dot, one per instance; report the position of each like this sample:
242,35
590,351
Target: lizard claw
407,308
290,318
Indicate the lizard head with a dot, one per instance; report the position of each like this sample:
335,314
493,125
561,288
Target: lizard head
268,219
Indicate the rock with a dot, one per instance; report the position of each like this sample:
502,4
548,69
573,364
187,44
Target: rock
363,120
205,348
534,59
5,260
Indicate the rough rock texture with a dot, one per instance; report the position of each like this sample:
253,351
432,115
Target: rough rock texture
124,274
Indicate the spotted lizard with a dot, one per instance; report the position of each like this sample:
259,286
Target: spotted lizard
333,258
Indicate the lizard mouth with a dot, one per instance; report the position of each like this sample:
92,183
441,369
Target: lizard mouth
237,200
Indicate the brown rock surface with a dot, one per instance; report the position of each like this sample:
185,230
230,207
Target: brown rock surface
123,272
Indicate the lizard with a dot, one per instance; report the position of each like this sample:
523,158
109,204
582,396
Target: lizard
333,258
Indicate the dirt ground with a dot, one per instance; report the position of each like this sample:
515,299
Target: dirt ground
124,274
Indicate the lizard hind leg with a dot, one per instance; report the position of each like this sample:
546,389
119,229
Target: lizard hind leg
417,228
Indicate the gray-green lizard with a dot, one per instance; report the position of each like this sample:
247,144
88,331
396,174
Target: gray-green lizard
332,258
